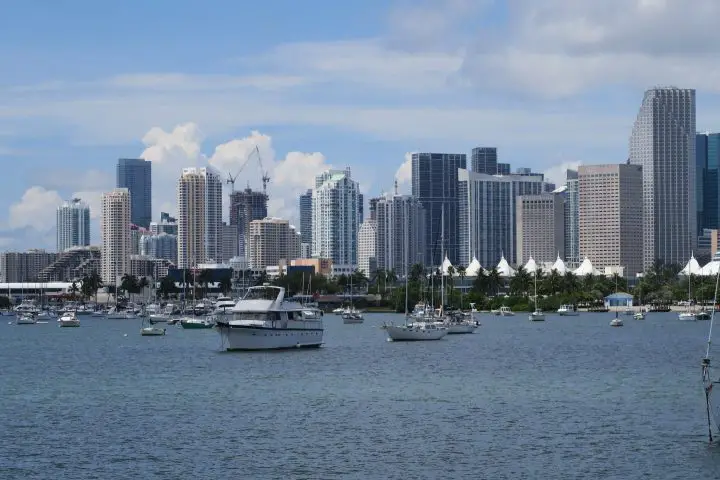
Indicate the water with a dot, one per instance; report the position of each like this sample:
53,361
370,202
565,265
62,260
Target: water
565,399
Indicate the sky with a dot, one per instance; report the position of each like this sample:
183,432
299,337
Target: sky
320,84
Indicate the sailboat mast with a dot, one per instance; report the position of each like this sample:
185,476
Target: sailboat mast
405,246
442,265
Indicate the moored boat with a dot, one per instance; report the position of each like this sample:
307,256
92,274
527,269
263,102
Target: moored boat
69,319
567,311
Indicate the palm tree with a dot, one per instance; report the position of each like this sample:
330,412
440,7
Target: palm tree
128,283
462,272
520,283
481,283
74,290
142,284
225,284
391,277
379,275
494,281
570,283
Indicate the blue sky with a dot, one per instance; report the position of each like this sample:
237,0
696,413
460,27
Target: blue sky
321,83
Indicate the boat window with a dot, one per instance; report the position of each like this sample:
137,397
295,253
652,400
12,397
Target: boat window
291,315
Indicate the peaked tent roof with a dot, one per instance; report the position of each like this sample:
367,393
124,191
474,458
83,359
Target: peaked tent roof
711,269
692,267
559,266
446,265
474,268
586,267
504,268
531,266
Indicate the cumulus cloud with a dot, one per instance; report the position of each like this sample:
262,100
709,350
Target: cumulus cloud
557,174
403,175
36,209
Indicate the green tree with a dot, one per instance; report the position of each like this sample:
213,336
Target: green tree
495,281
167,287
226,284
128,284
462,273
86,287
520,282
74,289
142,284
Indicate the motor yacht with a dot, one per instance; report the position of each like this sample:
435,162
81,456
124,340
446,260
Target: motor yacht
69,319
567,311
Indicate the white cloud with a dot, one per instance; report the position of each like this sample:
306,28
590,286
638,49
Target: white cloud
557,174
85,180
403,175
94,200
36,209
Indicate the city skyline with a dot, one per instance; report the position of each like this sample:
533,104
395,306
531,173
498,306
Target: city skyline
396,86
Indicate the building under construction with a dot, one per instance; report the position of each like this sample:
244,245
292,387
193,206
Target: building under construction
245,206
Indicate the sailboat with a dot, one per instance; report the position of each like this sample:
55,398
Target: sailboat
617,321
424,327
537,315
689,314
351,314
712,407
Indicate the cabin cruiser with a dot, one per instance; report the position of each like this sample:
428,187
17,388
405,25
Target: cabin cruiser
503,311
69,319
27,306
567,311
264,320
223,305
460,322
26,319
352,315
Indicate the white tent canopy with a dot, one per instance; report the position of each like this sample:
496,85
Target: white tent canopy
559,266
531,267
446,266
474,269
711,269
586,267
504,268
692,267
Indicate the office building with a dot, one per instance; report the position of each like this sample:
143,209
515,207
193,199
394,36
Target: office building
230,240
167,224
115,234
663,144
707,183
271,240
540,225
572,219
435,184
487,210
306,216
366,248
484,160
135,174
611,223
199,201
245,206
73,225
336,214
400,239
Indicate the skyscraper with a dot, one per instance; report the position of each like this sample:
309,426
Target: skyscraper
167,224
484,160
199,200
487,226
270,241
435,184
367,236
663,143
115,235
245,206
135,174
335,217
73,225
540,225
400,238
707,174
572,219
306,216
611,223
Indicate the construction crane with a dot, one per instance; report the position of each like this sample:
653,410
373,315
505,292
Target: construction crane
265,178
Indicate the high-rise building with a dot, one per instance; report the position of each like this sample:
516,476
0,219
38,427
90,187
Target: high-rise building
366,247
336,214
167,224
572,219
503,169
16,267
707,183
245,206
400,240
136,234
487,214
135,174
484,160
435,184
115,234
270,241
611,223
162,245
663,143
199,200
540,225
306,216
73,225
229,242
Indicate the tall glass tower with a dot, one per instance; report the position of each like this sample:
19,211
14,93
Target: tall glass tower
707,174
73,225
663,143
135,174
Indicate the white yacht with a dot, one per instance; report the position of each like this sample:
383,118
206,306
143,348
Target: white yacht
639,315
352,315
264,320
223,305
26,319
688,316
505,312
415,331
567,311
616,322
27,306
69,319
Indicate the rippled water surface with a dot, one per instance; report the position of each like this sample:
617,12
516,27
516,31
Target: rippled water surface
567,398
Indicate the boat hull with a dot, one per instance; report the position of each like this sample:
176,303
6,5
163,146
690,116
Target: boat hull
536,317
568,314
25,321
687,317
152,332
240,337
460,329
69,323
352,320
414,334
195,325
